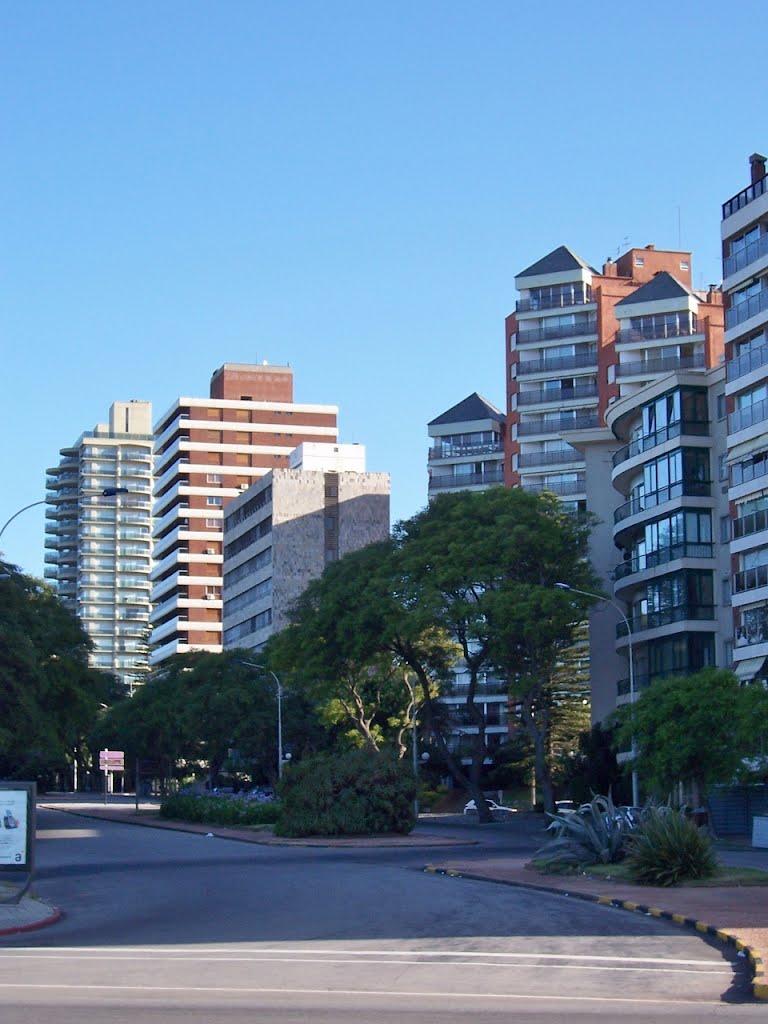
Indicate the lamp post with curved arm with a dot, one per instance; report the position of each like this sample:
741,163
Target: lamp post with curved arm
108,492
613,604
278,684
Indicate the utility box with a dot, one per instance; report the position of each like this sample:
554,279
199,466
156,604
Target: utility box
760,831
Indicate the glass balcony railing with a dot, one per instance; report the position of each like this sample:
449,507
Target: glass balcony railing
459,480
665,364
747,362
651,559
553,332
750,579
740,419
556,424
745,197
554,364
751,523
695,428
742,311
666,617
457,451
643,680
680,489
749,254
657,332
563,488
529,459
540,395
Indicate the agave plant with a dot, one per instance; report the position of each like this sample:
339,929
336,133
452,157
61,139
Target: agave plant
592,835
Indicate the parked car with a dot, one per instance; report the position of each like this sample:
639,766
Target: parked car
471,807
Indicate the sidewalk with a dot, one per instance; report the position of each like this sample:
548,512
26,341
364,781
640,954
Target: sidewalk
737,915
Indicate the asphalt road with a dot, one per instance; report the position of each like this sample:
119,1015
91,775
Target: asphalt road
174,926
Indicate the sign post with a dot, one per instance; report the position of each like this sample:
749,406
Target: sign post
111,761
17,833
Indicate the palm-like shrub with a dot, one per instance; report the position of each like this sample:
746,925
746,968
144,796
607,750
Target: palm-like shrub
592,835
667,848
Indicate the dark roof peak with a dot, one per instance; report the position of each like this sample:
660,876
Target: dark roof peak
558,261
662,285
473,407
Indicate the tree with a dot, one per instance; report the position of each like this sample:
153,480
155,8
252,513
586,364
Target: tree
482,566
49,695
344,651
692,729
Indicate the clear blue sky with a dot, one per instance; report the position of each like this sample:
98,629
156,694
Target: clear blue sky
349,187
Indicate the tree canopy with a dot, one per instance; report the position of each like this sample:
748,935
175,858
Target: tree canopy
49,695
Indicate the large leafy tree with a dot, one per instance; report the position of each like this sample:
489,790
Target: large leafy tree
49,695
693,729
346,648
483,567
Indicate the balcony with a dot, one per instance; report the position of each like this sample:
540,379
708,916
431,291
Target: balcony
695,428
751,523
458,481
563,488
749,254
680,489
751,360
556,424
530,459
536,335
540,395
745,310
656,332
750,579
656,367
745,197
643,680
559,300
457,451
651,559
667,617
749,415
554,364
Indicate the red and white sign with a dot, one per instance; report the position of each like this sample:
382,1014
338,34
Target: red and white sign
112,760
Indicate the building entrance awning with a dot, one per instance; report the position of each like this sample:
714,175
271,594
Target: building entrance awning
748,668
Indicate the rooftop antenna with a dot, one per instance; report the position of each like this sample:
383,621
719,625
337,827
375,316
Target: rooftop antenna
679,229
620,248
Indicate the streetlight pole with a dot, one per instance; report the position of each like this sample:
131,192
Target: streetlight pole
262,668
613,604
108,492
9,521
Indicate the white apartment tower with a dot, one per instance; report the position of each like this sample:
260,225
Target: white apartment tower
99,536
744,232
208,451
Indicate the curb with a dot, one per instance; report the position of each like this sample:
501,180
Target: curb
759,981
53,917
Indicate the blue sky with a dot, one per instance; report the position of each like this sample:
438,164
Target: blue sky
348,187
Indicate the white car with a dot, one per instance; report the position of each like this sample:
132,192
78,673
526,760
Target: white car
490,804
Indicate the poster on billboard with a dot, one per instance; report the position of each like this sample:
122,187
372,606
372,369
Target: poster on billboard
17,827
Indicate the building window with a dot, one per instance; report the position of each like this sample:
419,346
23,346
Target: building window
721,407
212,414
213,478
213,524
639,261
725,529
214,435
684,265
214,499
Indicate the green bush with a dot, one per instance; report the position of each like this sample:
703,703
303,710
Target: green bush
668,848
219,810
350,794
594,834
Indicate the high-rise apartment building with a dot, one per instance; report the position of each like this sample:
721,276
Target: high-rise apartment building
99,536
207,451
615,403
467,451
284,530
579,339
744,230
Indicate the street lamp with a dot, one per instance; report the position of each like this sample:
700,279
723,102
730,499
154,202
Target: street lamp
262,668
108,492
613,604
